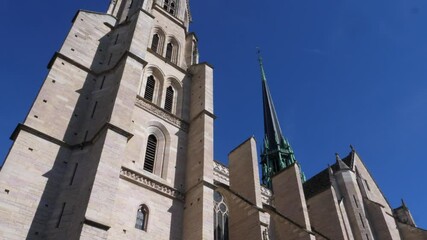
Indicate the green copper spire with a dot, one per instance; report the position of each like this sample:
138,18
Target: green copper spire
277,153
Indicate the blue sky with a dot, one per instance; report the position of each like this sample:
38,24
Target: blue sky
341,72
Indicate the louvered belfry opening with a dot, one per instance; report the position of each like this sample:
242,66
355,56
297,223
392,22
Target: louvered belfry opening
150,153
149,88
169,99
155,42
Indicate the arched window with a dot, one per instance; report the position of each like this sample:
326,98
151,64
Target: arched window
142,218
149,88
169,51
155,42
170,6
169,99
150,154
220,217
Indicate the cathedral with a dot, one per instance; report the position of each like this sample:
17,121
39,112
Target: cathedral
118,144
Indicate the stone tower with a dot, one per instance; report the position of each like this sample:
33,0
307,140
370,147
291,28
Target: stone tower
104,150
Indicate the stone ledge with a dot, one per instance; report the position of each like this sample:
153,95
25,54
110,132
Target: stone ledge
147,182
161,113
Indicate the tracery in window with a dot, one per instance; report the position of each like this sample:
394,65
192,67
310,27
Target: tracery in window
142,218
220,217
149,88
150,154
170,6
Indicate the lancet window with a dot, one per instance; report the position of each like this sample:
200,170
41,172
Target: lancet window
220,218
149,88
155,42
142,218
150,154
169,99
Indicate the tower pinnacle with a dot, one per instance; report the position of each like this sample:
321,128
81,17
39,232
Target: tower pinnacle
277,153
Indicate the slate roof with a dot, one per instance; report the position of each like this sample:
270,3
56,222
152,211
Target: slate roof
321,181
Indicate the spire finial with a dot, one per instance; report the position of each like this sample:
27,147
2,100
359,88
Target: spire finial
264,78
337,157
352,148
403,203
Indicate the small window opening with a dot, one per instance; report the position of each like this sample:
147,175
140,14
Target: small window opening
102,83
355,201
74,174
150,153
169,50
155,42
149,88
60,216
361,220
142,218
169,99
117,39
94,110
367,185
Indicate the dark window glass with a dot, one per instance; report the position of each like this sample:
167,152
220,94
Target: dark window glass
149,88
169,50
150,153
155,42
220,218
141,218
169,99
170,6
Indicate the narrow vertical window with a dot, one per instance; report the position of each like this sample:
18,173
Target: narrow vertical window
142,218
169,99
149,88
74,174
60,216
355,201
361,220
169,50
155,42
367,185
220,218
150,153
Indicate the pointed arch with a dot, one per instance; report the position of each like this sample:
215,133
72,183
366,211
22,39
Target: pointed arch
152,84
157,40
155,157
172,49
173,100
142,216
221,214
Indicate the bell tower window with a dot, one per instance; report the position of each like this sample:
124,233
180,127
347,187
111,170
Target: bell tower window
169,99
169,51
149,88
155,42
170,6
150,154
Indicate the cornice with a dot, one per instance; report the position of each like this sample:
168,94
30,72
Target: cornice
161,113
149,183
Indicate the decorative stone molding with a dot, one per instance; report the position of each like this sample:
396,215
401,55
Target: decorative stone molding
266,195
158,112
149,183
222,173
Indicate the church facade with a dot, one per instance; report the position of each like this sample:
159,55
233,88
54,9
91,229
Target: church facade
119,145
